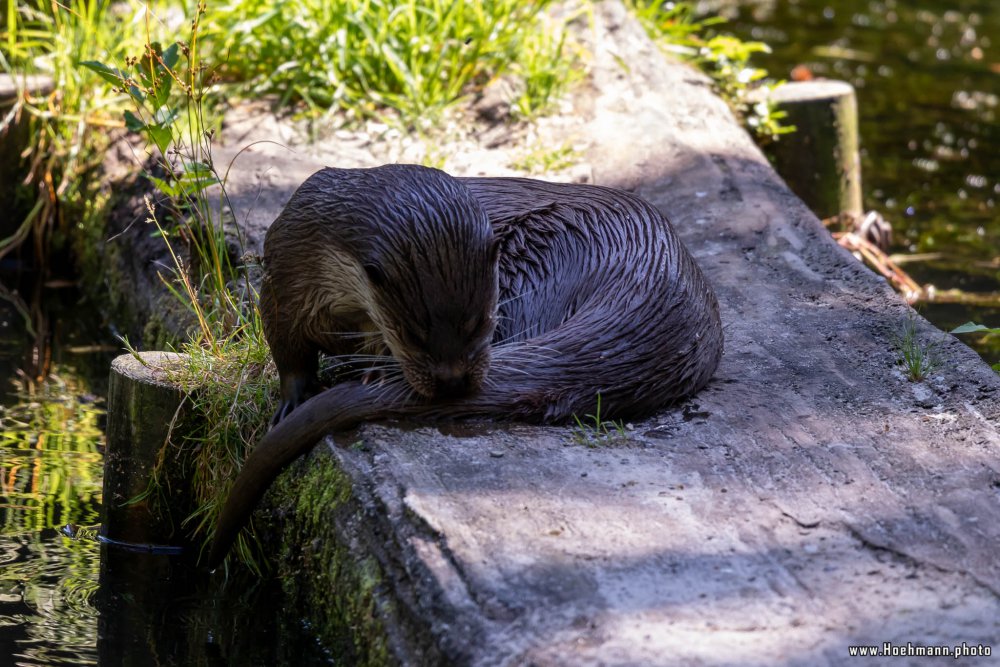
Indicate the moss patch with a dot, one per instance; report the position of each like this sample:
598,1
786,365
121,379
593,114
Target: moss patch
343,594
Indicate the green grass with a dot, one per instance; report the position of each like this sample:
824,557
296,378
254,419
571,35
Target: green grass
546,160
594,431
363,57
918,357
69,126
404,62
237,396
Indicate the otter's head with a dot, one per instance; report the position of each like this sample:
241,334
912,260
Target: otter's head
432,272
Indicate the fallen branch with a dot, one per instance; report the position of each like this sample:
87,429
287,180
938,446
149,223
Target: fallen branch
903,283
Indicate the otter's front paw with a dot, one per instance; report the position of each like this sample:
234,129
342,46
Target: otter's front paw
295,390
284,410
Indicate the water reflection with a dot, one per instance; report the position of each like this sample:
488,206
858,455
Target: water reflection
77,602
46,599
50,473
156,609
72,600
50,457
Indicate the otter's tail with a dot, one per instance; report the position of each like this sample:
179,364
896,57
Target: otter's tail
343,407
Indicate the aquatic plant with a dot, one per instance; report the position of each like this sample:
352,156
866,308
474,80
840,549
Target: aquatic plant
972,327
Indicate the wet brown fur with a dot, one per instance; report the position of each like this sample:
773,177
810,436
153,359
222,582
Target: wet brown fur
582,291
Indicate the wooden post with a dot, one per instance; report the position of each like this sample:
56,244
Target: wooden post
143,405
820,161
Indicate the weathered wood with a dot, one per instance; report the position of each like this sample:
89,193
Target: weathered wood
820,160
143,406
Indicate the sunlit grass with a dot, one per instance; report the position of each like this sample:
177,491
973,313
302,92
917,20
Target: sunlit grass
69,126
547,160
233,397
346,59
363,57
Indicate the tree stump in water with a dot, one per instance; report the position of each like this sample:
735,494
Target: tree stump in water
820,161
143,406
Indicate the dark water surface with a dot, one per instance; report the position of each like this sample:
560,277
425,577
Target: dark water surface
75,601
927,74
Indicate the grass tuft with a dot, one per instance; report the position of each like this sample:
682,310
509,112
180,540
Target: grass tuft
546,160
919,358
236,396
593,431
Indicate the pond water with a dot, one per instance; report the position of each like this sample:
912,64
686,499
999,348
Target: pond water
927,74
66,598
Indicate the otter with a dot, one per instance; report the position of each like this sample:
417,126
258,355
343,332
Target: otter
505,298
402,252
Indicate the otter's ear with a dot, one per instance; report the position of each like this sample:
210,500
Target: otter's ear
494,250
375,275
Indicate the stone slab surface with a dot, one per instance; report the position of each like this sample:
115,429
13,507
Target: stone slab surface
811,498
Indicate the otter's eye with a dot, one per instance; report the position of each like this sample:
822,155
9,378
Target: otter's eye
375,275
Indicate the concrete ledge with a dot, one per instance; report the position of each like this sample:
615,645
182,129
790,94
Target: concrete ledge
810,499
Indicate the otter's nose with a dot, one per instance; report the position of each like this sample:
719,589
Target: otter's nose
450,381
